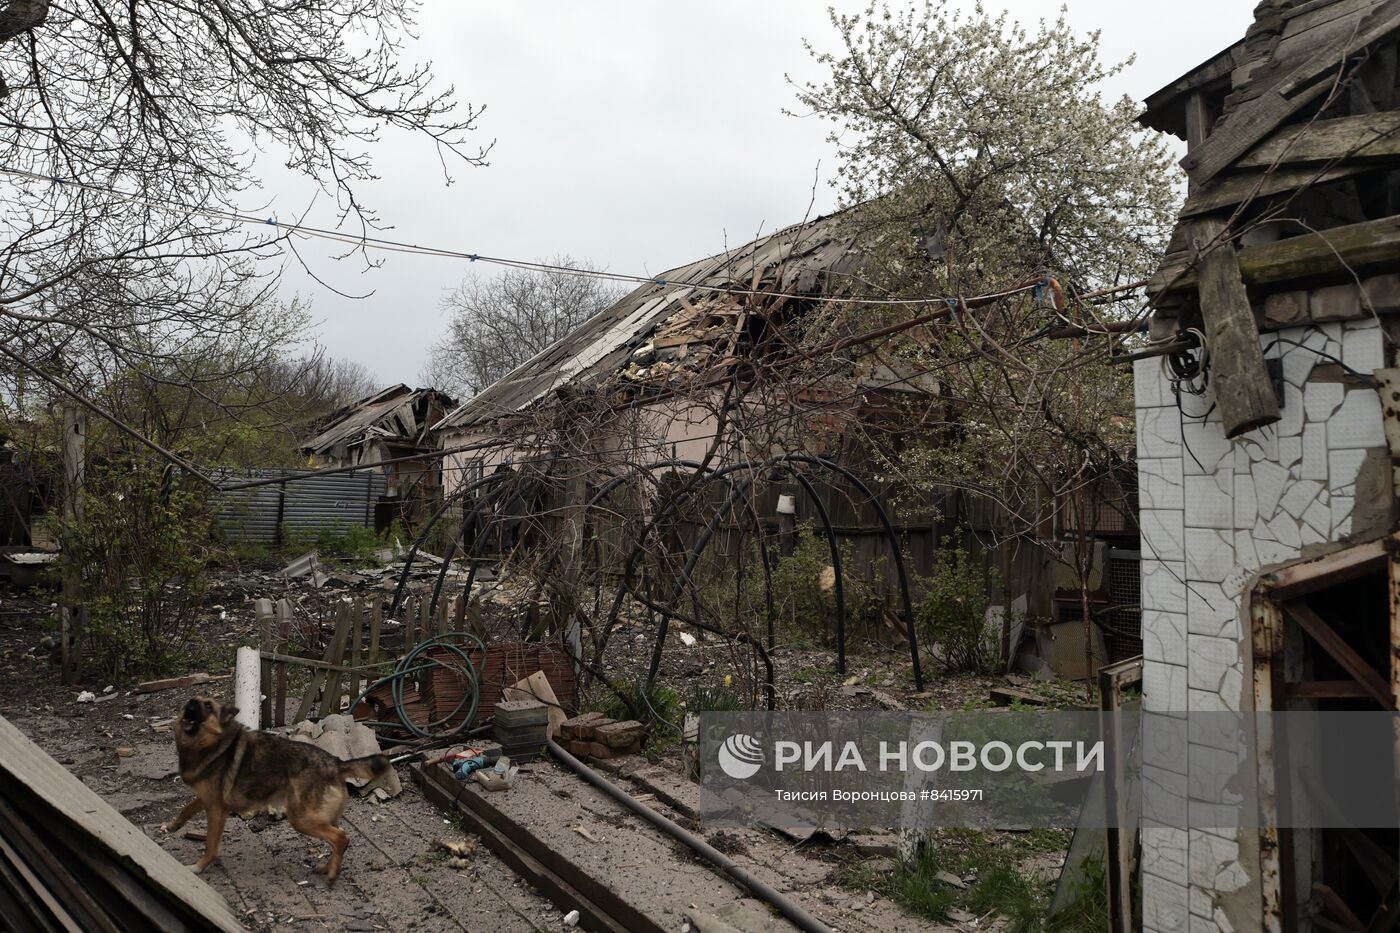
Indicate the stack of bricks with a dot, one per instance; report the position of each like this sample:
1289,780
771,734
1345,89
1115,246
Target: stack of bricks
593,735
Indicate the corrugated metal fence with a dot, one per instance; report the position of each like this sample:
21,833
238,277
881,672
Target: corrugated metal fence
265,514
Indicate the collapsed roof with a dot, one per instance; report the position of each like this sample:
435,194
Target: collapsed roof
397,413
666,326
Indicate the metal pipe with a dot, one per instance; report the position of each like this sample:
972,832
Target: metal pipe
727,866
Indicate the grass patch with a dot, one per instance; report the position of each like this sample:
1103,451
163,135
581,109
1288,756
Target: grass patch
995,882
716,699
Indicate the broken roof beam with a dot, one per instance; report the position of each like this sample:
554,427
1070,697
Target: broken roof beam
1367,138
1333,254
1243,389
1250,122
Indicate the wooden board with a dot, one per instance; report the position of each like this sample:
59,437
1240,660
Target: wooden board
1243,389
1369,137
25,763
537,687
1247,124
1377,687
1336,254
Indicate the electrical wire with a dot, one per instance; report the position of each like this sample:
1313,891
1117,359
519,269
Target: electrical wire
363,241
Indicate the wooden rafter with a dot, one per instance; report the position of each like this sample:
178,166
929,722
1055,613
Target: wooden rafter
1376,686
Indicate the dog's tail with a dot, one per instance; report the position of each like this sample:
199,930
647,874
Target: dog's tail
368,767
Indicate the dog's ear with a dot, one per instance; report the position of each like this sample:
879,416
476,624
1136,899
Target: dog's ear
226,714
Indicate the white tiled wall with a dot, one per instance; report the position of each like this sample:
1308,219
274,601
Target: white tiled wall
1213,512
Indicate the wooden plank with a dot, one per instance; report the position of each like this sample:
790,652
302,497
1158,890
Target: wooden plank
563,894
313,663
1338,567
425,618
1337,906
284,635
313,686
1331,255
70,799
330,698
1266,632
376,622
1379,24
1243,128
408,611
1377,687
356,633
176,683
1243,389
459,613
1249,123
1232,190
600,908
1367,138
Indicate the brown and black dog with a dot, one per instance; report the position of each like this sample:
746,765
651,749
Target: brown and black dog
235,770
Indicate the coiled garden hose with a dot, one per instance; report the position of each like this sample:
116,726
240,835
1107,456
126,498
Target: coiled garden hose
410,664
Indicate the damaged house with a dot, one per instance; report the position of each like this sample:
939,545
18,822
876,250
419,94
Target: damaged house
646,388
379,432
1267,433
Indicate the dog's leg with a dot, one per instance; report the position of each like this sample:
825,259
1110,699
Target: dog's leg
217,815
190,809
332,834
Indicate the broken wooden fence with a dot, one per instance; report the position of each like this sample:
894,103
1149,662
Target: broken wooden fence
365,647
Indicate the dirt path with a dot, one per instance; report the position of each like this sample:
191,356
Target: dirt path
393,880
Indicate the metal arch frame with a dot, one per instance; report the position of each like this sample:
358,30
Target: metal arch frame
757,470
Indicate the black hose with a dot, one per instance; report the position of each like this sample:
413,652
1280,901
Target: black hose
700,847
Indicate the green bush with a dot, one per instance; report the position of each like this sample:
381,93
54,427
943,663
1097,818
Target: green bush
142,550
952,612
346,541
660,704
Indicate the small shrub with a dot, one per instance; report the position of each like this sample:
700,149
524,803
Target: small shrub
952,612
142,548
661,704
719,699
1089,911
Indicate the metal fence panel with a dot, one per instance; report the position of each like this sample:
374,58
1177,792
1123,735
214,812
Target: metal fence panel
304,504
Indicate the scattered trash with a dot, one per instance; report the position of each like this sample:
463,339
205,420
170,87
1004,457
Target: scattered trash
950,879
126,751
571,919
87,696
500,777
687,639
582,831
307,564
458,851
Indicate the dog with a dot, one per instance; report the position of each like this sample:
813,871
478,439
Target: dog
233,769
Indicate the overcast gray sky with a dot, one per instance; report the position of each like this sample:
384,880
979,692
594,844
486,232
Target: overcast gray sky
639,135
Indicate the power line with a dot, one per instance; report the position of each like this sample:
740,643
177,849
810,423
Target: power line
363,241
